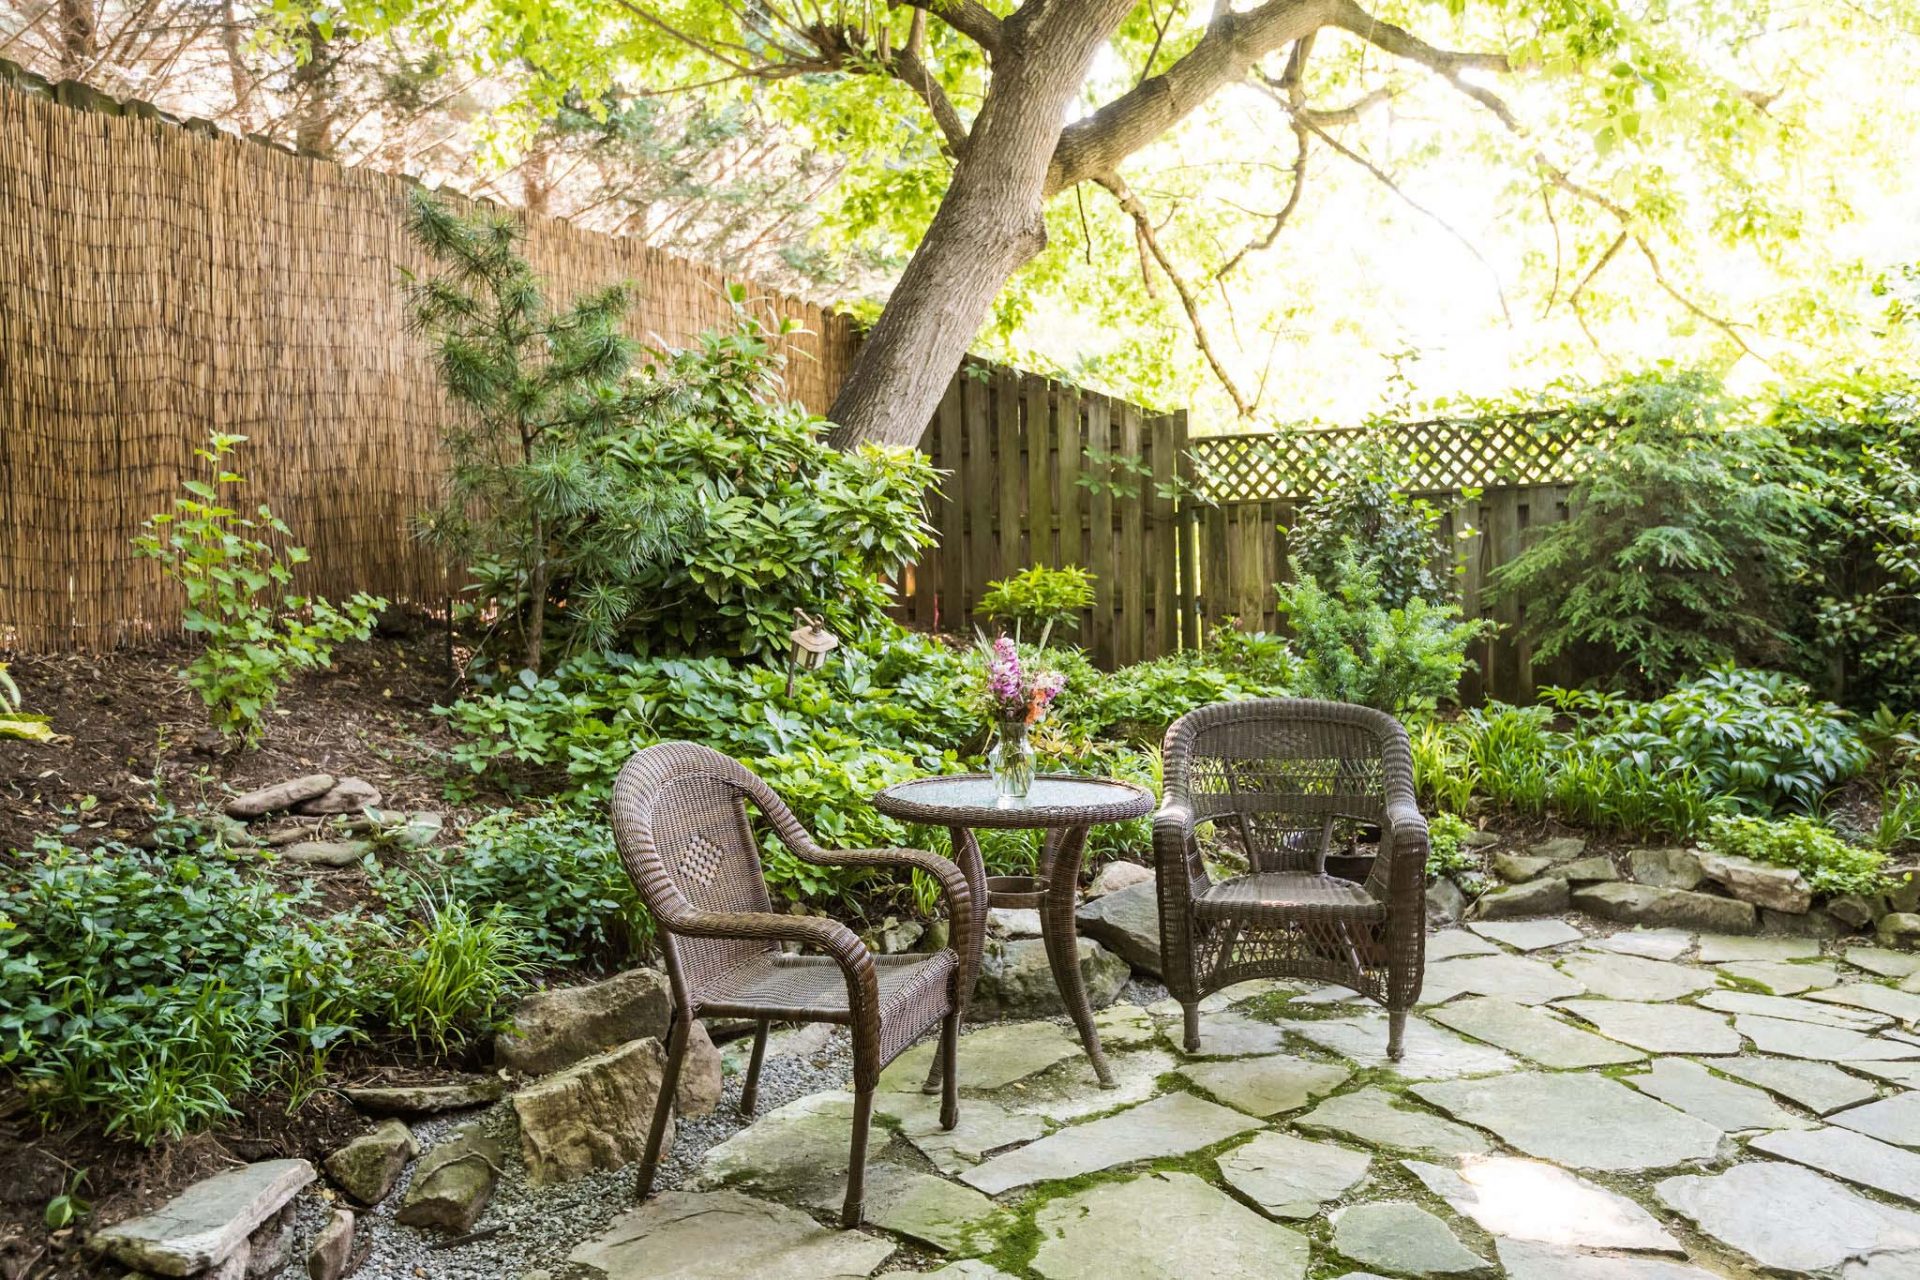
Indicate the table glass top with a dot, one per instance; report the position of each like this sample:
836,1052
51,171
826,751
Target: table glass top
976,791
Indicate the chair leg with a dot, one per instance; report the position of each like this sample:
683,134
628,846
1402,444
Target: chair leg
750,1091
1191,1010
1396,1027
663,1106
949,1070
851,1211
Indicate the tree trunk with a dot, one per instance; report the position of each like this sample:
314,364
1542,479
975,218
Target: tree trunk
317,108
79,38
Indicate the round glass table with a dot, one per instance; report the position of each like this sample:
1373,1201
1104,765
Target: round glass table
1062,805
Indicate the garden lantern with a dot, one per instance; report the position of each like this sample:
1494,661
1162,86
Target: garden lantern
812,642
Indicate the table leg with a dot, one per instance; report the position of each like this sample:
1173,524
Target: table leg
966,856
1063,941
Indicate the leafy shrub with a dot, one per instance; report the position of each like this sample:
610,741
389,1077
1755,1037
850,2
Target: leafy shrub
1447,853
1601,792
1137,703
256,636
1757,737
1897,824
1363,516
1351,647
1040,598
451,972
1830,864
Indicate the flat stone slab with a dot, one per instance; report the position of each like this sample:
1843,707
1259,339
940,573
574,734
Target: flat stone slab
1533,1200
1515,978
684,1235
1895,1119
1235,1035
984,1126
1658,1028
1163,1226
1904,1074
1783,978
1790,1219
1373,1116
1895,1003
1528,935
1644,904
1450,943
992,1057
1289,1177
1266,1086
1626,977
208,1222
1883,961
965,1269
1819,1044
1431,1053
426,1099
922,1207
1705,1096
1820,1015
1818,1087
1402,1238
1072,1091
1852,1156
1718,948
1126,1026
1583,1121
1650,944
1170,1125
1531,1032
792,1151
1525,1260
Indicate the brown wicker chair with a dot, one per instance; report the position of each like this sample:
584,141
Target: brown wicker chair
1285,778
681,819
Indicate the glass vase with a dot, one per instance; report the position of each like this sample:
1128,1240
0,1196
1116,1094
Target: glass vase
1011,761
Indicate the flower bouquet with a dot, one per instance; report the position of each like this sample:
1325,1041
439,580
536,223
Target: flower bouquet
1016,699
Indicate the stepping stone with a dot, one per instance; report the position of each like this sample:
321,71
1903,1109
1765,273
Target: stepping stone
730,1234
922,1207
1895,1119
1718,948
1583,1121
1649,944
1266,1086
1372,1116
1125,1026
1531,1033
1818,1087
984,1126
1072,1092
1819,1044
1450,943
1512,977
1852,1156
1525,1260
1880,960
1529,935
1784,979
1903,1005
1289,1177
1658,1028
990,1058
1624,977
790,1152
1789,1219
209,1223
1171,1125
1819,1015
1164,1226
1402,1238
1705,1096
965,1269
1431,1054
1532,1200
1904,1074
1235,1035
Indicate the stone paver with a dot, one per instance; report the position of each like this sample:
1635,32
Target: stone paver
1164,1226
1401,1238
1532,1200
723,1235
1431,1054
1171,1125
1819,1044
1531,1032
1126,1026
1449,943
1818,1087
984,1126
1525,1260
1650,944
1849,1155
209,1223
1658,1028
1895,1119
1887,963
1289,1177
1627,977
1895,1003
791,1151
1904,1074
1266,1086
1718,948
922,1207
1235,1035
1822,1015
1512,977
1583,1121
1783,979
1705,1096
1788,1218
1528,935
1373,1116
1072,1092
990,1058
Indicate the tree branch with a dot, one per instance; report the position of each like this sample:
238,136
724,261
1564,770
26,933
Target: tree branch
1573,299
969,17
1401,43
907,68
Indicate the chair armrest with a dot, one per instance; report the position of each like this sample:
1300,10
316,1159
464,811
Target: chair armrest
1175,847
832,937
1405,846
953,882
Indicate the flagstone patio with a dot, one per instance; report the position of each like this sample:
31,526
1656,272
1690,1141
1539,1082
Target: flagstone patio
1573,1105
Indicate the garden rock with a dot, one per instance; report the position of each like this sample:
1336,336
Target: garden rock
1445,901
1558,848
1681,908
367,1167
1163,1224
1402,1238
1116,876
725,1233
1543,897
414,830
1899,929
327,853
210,1224
1515,868
554,1029
452,1183
1590,870
1016,981
348,795
1762,884
1668,868
1170,1125
1013,922
593,1115
1856,910
701,1076
281,795
1816,923
425,1099
332,1247
1291,1178
1127,922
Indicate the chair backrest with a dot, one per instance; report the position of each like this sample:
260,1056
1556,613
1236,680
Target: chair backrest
1284,772
681,823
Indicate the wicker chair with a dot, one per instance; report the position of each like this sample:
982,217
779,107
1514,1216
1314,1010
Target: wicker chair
1288,779
680,815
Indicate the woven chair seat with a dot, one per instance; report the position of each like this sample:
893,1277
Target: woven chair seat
1247,898
913,989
